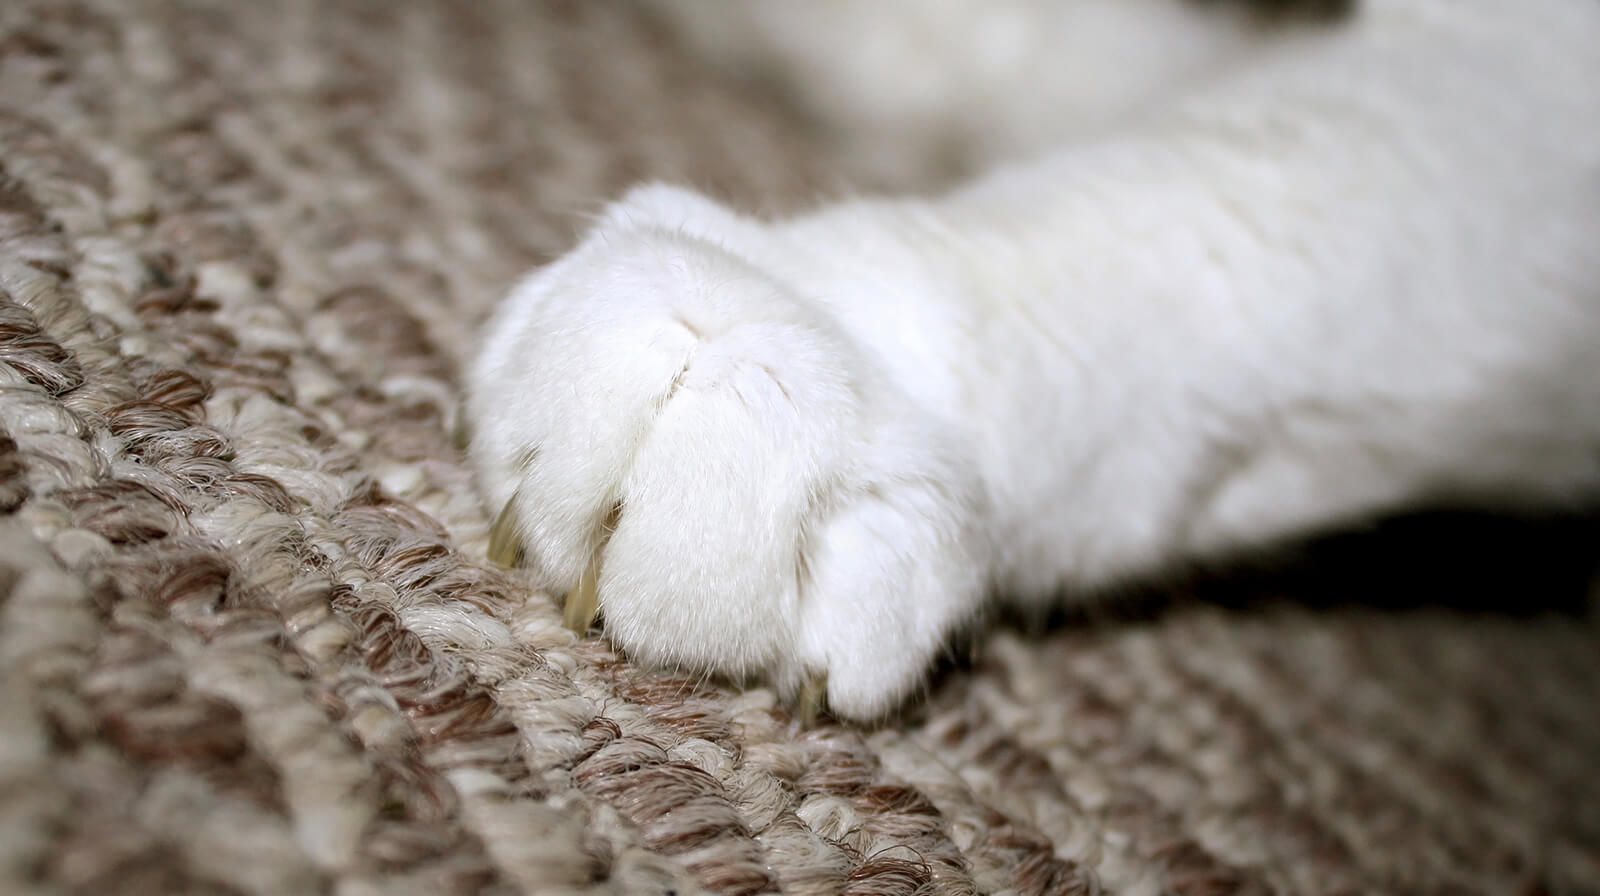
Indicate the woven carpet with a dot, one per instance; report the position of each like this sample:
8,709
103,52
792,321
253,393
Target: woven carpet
249,643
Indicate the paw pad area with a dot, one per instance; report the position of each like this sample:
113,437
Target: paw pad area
672,436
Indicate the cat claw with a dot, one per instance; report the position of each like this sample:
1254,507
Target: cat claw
505,546
583,602
812,699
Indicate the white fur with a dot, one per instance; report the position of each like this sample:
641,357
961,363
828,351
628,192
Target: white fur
1355,271
920,84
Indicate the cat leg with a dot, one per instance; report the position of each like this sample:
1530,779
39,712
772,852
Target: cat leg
1356,275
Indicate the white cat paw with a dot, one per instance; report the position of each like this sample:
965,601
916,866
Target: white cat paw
714,458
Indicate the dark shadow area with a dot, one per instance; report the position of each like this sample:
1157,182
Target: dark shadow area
1474,562
1462,561
1459,560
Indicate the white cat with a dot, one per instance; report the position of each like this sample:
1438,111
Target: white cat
1332,274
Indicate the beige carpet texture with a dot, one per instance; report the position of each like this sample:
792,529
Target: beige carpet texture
250,643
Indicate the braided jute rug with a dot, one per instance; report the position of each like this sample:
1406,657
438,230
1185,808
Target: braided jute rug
249,643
